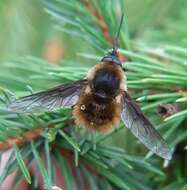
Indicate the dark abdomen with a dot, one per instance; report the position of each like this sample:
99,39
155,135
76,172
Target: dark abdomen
91,114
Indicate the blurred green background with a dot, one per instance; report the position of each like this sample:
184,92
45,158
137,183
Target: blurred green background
26,29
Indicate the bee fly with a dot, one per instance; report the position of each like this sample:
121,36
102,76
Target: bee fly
99,102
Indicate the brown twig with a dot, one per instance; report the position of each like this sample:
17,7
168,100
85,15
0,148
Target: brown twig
103,26
26,137
166,110
100,20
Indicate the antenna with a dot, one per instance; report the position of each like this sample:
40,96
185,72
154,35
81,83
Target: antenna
115,43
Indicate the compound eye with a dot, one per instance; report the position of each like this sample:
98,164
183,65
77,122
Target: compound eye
106,59
111,58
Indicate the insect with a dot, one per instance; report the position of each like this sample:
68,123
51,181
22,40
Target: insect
99,102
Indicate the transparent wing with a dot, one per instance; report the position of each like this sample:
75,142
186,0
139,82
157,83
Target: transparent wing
62,96
135,120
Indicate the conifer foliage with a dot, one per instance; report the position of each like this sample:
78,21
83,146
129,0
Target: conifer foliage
155,64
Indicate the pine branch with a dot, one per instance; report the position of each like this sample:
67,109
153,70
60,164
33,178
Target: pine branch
21,140
100,20
154,77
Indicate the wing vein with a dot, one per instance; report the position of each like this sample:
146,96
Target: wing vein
141,127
